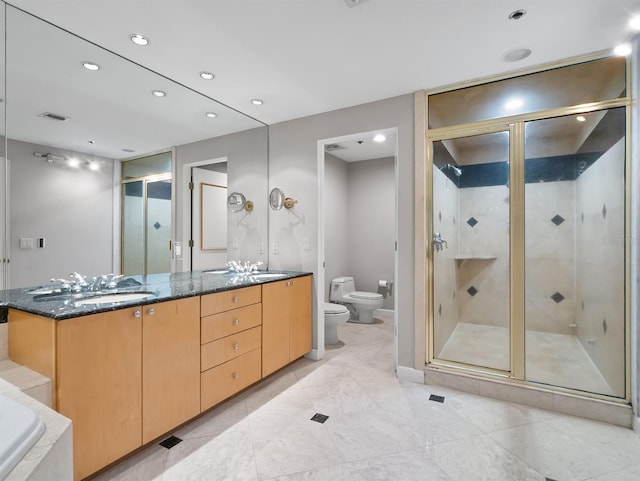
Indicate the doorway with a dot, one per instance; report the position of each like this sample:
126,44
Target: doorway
208,180
357,220
146,214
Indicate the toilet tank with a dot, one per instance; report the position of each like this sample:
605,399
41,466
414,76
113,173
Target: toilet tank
340,287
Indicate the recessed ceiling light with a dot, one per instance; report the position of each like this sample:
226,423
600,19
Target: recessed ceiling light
517,14
622,50
514,104
581,118
128,150
158,93
516,54
206,75
257,101
139,39
379,138
634,23
91,65
91,141
211,115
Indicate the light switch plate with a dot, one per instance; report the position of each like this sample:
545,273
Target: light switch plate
26,243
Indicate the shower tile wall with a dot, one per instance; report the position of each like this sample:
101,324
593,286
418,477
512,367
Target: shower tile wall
446,221
483,284
550,256
600,264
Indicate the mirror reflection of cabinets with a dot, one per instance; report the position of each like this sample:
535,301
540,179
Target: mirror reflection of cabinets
69,128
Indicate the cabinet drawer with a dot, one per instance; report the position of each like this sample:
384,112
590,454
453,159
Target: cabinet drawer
223,381
222,350
224,301
226,323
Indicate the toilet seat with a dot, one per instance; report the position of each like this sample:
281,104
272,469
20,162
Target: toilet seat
366,296
330,308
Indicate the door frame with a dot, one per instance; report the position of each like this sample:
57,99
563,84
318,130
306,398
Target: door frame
516,254
185,179
318,352
516,125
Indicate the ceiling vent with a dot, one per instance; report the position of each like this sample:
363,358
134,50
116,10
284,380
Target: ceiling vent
333,147
57,117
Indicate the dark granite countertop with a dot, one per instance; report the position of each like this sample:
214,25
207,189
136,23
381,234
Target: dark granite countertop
161,287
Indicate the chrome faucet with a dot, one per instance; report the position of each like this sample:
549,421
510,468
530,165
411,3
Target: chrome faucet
438,242
243,268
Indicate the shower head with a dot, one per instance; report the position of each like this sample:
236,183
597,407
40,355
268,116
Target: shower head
455,169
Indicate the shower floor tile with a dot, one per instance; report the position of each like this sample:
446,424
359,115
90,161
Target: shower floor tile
555,359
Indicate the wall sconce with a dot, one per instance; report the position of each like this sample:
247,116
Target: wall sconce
277,200
237,202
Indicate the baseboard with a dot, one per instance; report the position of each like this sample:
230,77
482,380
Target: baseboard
636,425
384,312
410,375
314,355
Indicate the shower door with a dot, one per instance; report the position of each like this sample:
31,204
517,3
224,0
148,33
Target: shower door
575,251
471,251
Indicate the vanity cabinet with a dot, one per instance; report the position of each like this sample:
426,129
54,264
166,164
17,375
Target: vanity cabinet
231,337
170,365
127,376
98,386
286,322
123,377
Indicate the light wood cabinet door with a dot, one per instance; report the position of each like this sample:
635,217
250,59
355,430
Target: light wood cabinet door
275,326
286,322
170,365
300,318
99,386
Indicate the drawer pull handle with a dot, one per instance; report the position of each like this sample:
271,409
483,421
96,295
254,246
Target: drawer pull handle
235,299
236,346
137,313
236,322
235,375
152,311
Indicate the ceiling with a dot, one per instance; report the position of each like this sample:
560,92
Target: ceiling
303,57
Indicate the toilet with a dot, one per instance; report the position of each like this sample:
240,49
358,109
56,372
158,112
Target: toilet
360,304
334,315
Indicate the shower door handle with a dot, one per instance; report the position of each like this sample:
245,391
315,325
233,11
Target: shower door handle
438,242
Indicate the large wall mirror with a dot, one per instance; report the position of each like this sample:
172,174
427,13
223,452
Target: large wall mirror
74,112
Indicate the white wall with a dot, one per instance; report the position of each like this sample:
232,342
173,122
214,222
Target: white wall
293,168
371,225
336,220
72,209
248,171
359,211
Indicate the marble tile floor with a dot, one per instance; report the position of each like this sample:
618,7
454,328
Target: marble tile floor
555,359
380,428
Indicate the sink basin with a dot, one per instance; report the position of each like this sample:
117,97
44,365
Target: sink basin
114,297
267,275
44,290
